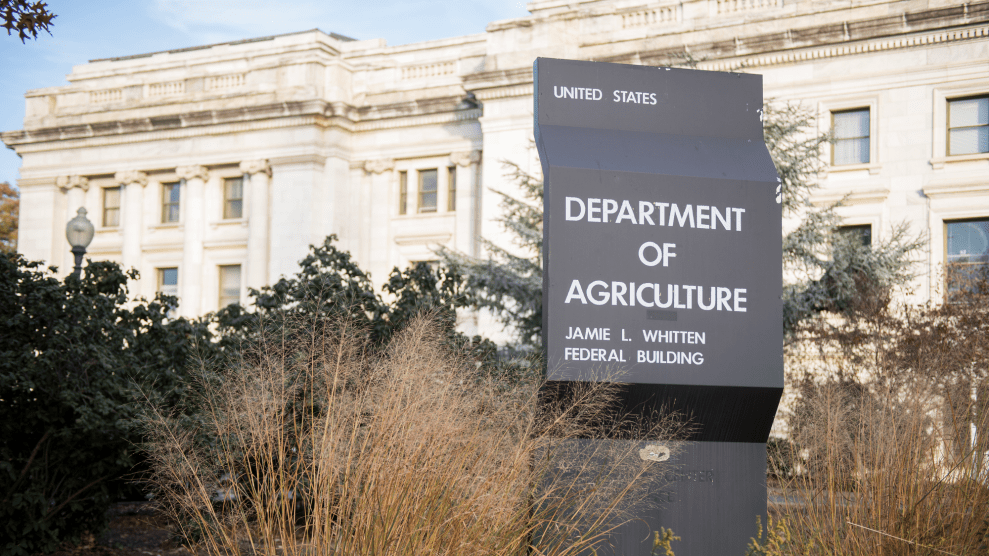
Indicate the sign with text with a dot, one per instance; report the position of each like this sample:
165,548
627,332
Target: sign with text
662,271
662,226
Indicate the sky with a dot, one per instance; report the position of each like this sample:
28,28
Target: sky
89,29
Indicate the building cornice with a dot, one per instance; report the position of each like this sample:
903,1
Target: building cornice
906,30
831,40
219,122
176,122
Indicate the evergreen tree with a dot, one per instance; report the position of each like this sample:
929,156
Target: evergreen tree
509,282
823,270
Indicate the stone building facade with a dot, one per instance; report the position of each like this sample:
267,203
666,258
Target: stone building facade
211,169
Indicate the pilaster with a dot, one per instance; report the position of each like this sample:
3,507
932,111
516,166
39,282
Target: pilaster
468,201
257,176
133,183
383,203
194,224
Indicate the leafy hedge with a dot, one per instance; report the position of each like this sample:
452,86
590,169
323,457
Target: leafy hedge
75,356
78,359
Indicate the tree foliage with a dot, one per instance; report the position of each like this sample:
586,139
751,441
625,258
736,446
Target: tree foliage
824,270
9,208
509,282
330,286
78,357
75,357
892,405
26,18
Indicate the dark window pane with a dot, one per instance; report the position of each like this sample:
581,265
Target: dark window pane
862,233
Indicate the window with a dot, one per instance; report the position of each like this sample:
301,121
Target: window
967,253
111,206
968,125
427,190
861,233
229,284
851,137
403,192
451,198
170,202
233,198
168,284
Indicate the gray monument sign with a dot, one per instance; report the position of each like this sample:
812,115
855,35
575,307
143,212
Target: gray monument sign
662,254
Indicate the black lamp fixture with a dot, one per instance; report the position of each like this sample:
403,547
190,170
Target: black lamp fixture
79,231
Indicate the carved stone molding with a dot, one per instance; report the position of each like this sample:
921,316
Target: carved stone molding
379,166
255,167
192,172
127,177
66,183
465,158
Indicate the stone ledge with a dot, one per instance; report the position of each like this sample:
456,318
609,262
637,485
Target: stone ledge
850,196
328,114
838,36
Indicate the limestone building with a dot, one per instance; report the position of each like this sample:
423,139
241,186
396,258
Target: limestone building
211,169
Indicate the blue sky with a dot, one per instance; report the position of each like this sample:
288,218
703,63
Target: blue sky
85,30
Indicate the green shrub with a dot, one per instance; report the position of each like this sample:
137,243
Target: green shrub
74,357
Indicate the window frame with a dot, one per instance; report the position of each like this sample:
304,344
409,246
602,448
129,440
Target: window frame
948,128
105,210
836,139
948,290
850,228
228,200
165,204
420,192
412,168
403,192
825,124
220,296
160,275
451,188
939,130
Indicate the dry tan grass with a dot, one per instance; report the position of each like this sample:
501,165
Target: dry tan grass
884,460
334,449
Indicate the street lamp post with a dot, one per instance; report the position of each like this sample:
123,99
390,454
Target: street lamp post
79,231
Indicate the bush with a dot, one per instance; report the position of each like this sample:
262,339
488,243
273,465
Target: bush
318,440
892,425
330,286
74,357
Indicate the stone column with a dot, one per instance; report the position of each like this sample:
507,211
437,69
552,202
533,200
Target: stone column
133,183
468,206
383,196
257,174
74,188
194,227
